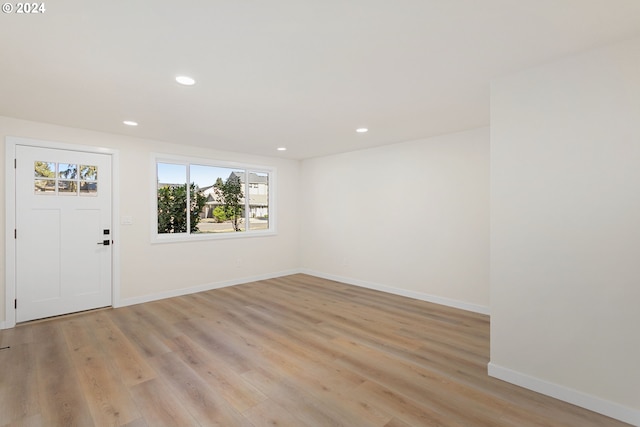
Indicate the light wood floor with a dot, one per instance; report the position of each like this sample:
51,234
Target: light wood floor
294,351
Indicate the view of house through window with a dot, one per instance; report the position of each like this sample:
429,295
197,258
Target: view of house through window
198,199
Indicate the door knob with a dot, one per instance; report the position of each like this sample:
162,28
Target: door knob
105,242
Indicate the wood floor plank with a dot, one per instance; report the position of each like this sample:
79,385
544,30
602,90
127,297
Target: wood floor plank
235,389
140,422
147,342
327,386
292,357
193,305
206,405
295,350
119,349
62,402
421,386
18,384
30,421
270,414
295,401
107,395
206,334
395,422
21,334
405,409
159,407
151,318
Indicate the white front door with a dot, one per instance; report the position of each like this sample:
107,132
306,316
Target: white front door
63,231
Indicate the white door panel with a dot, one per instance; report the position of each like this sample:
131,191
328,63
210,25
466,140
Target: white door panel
63,207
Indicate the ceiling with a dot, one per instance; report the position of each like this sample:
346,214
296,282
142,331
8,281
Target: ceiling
296,73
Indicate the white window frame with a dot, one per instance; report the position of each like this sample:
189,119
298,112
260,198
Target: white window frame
188,236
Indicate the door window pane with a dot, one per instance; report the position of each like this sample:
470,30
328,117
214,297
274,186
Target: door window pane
88,188
88,173
65,179
45,186
67,171
44,169
88,180
66,187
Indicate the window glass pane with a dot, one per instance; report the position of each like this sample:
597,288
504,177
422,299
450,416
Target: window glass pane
217,203
67,171
45,186
258,201
236,182
67,187
88,188
88,180
205,200
172,198
44,169
242,223
171,174
88,173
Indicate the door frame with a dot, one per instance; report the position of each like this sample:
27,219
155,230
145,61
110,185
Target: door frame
10,217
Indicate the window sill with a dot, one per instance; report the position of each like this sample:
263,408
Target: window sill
180,238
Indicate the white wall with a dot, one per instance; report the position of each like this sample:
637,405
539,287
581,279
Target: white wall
565,229
410,218
149,270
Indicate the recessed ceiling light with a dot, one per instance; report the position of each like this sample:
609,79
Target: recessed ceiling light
185,80
130,123
282,148
362,130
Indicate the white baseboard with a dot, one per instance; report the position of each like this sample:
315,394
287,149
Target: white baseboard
200,288
216,285
575,397
402,292
222,284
